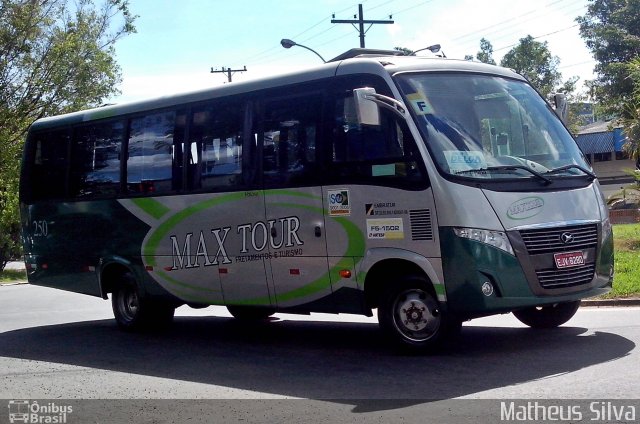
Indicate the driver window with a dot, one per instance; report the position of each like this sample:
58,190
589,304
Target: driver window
384,154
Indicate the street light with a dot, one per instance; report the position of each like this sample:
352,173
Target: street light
433,49
287,44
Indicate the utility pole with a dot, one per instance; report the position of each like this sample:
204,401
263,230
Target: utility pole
361,21
228,71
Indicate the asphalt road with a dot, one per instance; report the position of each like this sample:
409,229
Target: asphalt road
64,346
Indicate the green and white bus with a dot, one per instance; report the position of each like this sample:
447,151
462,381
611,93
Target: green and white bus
432,190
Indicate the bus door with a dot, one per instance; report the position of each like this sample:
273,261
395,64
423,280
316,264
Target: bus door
293,199
243,276
377,192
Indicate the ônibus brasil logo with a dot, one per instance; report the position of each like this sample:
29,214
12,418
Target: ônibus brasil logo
25,411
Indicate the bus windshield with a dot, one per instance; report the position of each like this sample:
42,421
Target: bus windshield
488,127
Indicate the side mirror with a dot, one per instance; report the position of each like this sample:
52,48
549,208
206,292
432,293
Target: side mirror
366,110
562,107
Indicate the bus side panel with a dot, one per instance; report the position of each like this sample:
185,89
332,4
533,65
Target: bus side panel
65,241
206,248
361,218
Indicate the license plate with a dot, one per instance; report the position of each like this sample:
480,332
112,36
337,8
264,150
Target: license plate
568,259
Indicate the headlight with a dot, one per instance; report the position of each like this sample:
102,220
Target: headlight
493,238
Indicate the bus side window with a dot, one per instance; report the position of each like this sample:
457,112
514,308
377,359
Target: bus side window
150,153
290,130
49,165
95,160
376,154
215,147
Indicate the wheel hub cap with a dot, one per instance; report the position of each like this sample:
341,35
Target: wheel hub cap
414,314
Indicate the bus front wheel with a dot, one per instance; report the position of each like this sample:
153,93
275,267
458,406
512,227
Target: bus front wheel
135,312
547,316
412,318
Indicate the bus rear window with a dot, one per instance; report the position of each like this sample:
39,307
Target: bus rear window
49,165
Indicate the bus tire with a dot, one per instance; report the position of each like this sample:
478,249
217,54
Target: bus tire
250,313
550,316
135,312
411,317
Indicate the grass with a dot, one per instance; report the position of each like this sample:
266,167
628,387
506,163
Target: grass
11,276
626,281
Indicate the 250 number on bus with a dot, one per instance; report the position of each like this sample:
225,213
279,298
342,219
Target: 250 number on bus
40,228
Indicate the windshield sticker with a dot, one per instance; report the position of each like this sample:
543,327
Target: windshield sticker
420,104
464,160
383,170
525,208
385,229
339,202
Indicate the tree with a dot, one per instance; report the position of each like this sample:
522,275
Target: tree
485,54
56,56
533,60
406,51
631,111
611,30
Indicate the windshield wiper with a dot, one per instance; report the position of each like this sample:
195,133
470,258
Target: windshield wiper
572,166
545,180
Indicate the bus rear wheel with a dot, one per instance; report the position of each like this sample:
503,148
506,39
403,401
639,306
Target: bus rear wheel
250,313
411,317
550,316
135,312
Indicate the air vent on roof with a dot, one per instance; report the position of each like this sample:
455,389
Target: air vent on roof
360,52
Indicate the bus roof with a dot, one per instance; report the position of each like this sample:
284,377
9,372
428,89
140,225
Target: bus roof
364,63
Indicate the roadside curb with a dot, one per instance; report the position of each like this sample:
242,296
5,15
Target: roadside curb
14,283
611,302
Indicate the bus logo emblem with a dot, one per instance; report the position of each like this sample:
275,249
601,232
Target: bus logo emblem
566,238
525,208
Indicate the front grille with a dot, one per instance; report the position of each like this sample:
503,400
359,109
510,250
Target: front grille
562,278
549,240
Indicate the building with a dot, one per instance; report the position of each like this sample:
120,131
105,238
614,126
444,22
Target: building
602,143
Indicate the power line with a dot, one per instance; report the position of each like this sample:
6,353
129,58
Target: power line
539,36
320,30
333,39
577,64
380,5
412,7
258,57
497,24
322,21
505,29
508,30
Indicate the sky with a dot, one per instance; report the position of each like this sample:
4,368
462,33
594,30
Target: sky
178,42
